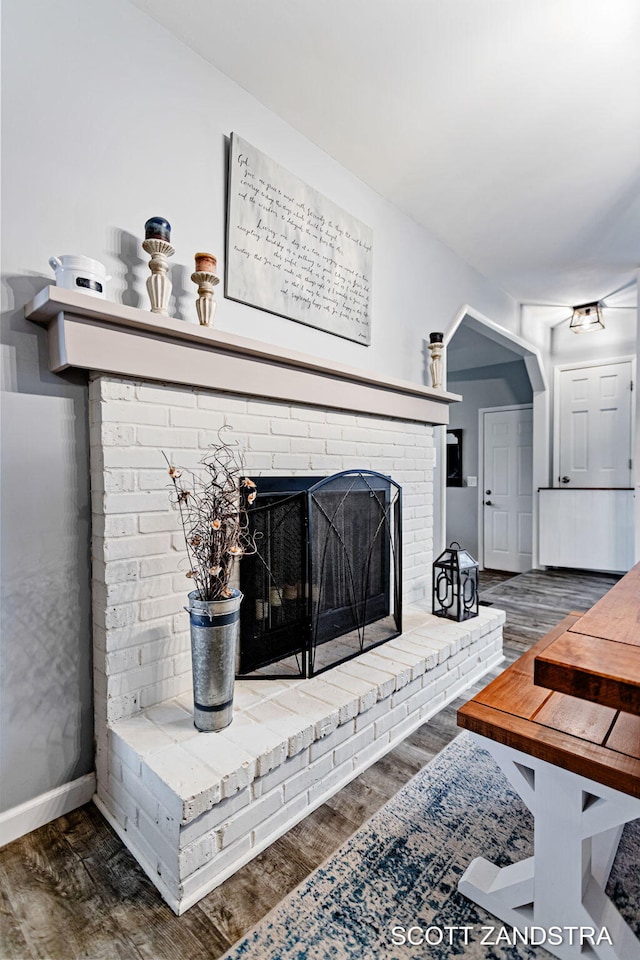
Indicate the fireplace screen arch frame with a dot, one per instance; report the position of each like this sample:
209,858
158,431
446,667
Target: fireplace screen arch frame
325,584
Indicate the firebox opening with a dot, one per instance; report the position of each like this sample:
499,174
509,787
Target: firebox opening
325,582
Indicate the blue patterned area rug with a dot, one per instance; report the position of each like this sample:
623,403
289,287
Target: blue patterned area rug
396,879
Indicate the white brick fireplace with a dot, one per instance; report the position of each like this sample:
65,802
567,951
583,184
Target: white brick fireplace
193,807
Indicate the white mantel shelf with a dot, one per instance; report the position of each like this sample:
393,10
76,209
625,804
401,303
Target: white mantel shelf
93,334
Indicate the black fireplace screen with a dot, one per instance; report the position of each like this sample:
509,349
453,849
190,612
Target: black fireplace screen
325,582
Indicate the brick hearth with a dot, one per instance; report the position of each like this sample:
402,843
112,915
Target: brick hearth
194,807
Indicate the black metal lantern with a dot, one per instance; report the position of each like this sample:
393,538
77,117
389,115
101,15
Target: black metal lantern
455,584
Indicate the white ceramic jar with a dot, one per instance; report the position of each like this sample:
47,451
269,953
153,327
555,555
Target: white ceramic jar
80,273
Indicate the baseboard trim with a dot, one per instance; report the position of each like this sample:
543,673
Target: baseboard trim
28,816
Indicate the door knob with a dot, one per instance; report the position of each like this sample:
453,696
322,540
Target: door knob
566,480
488,503
487,491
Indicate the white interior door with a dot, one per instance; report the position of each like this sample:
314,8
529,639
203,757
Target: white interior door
595,426
507,500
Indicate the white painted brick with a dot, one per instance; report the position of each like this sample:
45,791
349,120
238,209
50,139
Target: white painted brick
215,401
347,703
366,690
243,423
289,428
363,720
120,615
270,747
308,445
234,767
158,522
166,689
375,658
444,647
115,810
208,821
124,706
111,389
325,463
116,435
126,412
220,862
368,755
339,447
332,780
291,461
354,745
132,590
328,431
165,438
390,719
409,658
120,660
270,443
384,681
116,481
401,695
310,414
257,462
327,744
308,777
167,395
159,565
114,526
175,771
134,680
324,718
201,419
138,502
151,481
137,634
280,774
360,434
263,408
161,845
345,419
162,606
287,814
249,818
135,458
196,855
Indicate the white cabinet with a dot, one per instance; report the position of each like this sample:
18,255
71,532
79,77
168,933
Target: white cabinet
586,529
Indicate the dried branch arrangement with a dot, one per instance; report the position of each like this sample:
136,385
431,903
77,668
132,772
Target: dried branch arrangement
213,511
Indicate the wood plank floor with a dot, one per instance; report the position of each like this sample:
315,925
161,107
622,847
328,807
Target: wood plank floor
71,890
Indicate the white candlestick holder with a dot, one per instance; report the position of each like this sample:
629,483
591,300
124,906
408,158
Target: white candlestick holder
436,364
158,284
205,304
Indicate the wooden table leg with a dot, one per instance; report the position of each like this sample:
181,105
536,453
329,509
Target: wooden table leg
578,823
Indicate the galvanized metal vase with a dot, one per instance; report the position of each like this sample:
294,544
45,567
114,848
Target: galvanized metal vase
215,627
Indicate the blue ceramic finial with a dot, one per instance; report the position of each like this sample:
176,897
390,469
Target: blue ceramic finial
157,228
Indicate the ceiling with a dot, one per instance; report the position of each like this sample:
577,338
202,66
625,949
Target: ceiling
508,128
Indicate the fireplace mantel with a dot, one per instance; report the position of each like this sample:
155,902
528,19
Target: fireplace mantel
94,334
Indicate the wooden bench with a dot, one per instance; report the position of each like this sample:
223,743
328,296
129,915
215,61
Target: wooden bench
576,765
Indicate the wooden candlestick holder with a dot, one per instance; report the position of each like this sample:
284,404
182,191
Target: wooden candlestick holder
158,284
205,304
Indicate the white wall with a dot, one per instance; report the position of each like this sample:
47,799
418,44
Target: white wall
618,339
500,385
108,120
